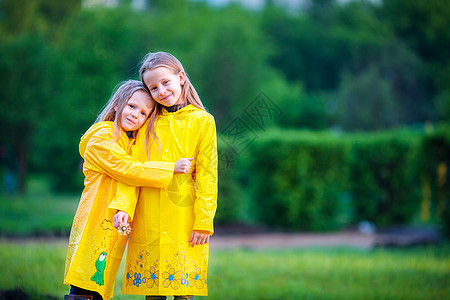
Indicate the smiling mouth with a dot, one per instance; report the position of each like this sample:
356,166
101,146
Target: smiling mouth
165,98
131,122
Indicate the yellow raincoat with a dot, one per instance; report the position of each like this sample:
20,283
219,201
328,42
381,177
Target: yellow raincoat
159,259
95,248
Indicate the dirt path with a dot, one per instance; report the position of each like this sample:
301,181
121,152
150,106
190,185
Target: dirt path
257,238
294,240
262,240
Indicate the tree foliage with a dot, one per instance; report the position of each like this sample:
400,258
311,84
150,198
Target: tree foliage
356,66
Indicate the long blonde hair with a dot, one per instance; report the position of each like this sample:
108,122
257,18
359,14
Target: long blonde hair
112,111
188,92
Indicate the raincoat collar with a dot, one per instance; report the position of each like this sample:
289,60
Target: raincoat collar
176,107
187,108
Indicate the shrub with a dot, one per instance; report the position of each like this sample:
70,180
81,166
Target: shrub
383,181
297,178
232,202
434,162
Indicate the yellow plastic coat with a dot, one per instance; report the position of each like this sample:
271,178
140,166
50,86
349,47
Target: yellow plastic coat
159,259
95,248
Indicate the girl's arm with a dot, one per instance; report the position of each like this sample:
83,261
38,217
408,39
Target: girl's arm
105,156
126,196
124,203
206,185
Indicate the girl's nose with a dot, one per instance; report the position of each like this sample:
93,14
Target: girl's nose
162,91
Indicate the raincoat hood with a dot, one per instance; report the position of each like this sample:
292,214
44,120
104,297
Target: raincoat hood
90,132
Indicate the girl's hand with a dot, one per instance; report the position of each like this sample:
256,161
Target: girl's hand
199,238
119,218
183,165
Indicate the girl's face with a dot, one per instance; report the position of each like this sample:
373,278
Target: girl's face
136,111
164,86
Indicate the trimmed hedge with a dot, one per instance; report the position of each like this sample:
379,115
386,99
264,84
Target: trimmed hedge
313,181
434,167
383,176
230,204
297,178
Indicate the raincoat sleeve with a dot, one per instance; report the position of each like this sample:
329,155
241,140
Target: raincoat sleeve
126,199
106,156
206,184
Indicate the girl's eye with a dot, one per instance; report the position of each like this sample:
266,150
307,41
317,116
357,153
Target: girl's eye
153,89
166,82
143,113
131,105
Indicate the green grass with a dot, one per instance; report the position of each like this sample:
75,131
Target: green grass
37,266
331,274
37,214
418,273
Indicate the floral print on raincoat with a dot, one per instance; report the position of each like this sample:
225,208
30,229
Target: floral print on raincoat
95,248
159,258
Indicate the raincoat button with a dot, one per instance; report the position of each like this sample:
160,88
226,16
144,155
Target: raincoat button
164,232
166,150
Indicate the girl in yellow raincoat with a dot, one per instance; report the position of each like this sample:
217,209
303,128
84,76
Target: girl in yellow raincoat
168,248
95,247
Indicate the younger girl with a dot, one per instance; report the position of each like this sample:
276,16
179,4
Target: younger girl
95,247
168,248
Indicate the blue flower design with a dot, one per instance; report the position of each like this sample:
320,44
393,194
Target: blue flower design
151,277
137,279
185,281
197,278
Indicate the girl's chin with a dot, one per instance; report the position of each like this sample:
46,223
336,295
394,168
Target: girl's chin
167,102
128,127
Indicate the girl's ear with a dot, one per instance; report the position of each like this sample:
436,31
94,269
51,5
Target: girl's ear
182,76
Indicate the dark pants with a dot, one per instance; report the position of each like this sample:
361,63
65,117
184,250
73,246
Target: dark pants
79,291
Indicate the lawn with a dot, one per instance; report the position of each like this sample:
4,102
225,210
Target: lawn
37,214
37,267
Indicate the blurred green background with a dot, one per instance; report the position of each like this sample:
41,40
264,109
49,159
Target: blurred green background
328,113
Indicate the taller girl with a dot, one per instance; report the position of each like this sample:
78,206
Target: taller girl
168,249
